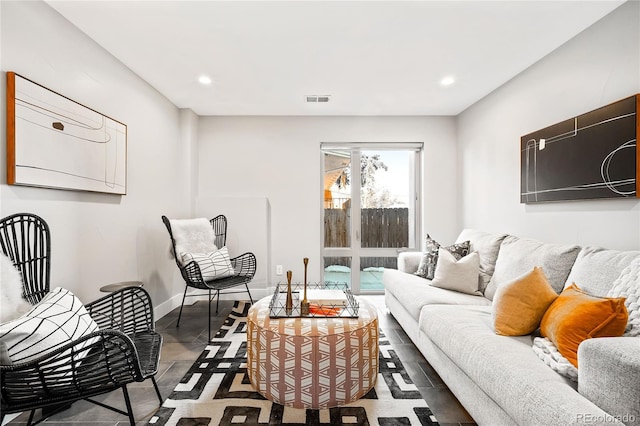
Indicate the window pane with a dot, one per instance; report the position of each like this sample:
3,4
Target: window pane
384,198
337,270
337,199
371,269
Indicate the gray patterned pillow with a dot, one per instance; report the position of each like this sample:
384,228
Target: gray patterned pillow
429,260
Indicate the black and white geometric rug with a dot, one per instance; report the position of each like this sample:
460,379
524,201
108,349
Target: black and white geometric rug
216,391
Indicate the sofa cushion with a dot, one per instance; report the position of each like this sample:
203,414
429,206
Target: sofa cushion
487,245
519,255
518,306
457,274
504,367
414,292
595,269
429,260
576,316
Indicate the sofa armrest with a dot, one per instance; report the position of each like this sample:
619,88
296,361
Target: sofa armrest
609,375
408,261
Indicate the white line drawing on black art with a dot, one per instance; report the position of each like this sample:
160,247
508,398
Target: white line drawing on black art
606,163
532,147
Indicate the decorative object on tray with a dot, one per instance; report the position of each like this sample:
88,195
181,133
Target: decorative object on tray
289,302
325,300
324,296
304,305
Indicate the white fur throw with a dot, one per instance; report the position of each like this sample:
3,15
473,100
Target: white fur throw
12,305
193,236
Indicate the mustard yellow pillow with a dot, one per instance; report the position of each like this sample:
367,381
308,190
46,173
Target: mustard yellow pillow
576,316
518,306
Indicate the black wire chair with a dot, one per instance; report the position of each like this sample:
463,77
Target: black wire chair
125,349
243,265
25,238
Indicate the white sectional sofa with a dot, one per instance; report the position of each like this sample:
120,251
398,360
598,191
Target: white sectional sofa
500,380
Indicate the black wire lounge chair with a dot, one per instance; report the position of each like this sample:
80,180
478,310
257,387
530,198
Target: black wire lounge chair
125,349
244,270
25,238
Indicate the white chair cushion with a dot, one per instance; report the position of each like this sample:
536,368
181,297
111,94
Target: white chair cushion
58,319
213,265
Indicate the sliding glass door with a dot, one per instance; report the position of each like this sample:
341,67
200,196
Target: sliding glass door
370,210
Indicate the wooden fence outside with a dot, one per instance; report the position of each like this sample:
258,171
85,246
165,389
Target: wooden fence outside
388,228
365,262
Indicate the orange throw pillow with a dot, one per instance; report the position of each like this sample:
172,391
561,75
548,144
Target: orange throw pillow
576,316
518,306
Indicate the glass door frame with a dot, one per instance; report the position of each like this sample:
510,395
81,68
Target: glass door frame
355,251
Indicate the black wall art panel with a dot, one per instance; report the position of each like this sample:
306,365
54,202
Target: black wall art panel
593,155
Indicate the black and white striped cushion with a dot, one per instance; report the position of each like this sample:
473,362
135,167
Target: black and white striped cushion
58,319
213,265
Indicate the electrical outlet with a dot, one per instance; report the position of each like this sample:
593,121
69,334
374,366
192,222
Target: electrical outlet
278,269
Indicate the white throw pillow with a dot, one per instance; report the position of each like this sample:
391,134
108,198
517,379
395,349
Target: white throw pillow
193,235
457,275
12,305
56,320
213,265
548,353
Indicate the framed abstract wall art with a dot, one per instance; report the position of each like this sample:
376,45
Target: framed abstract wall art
593,155
55,142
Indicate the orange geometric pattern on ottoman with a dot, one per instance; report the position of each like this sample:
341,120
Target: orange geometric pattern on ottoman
312,363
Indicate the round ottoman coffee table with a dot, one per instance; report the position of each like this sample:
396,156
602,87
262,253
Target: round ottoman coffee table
312,363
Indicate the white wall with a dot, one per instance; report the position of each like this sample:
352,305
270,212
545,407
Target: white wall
99,238
597,67
279,158
248,230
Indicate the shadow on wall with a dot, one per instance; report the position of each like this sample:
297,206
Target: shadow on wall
156,266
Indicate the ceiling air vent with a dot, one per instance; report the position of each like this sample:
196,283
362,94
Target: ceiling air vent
317,98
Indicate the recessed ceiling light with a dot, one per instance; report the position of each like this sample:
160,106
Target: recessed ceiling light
447,81
203,79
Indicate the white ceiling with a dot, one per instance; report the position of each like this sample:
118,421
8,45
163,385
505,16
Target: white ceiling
372,57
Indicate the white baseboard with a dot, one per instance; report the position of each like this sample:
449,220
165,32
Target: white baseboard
164,308
10,417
